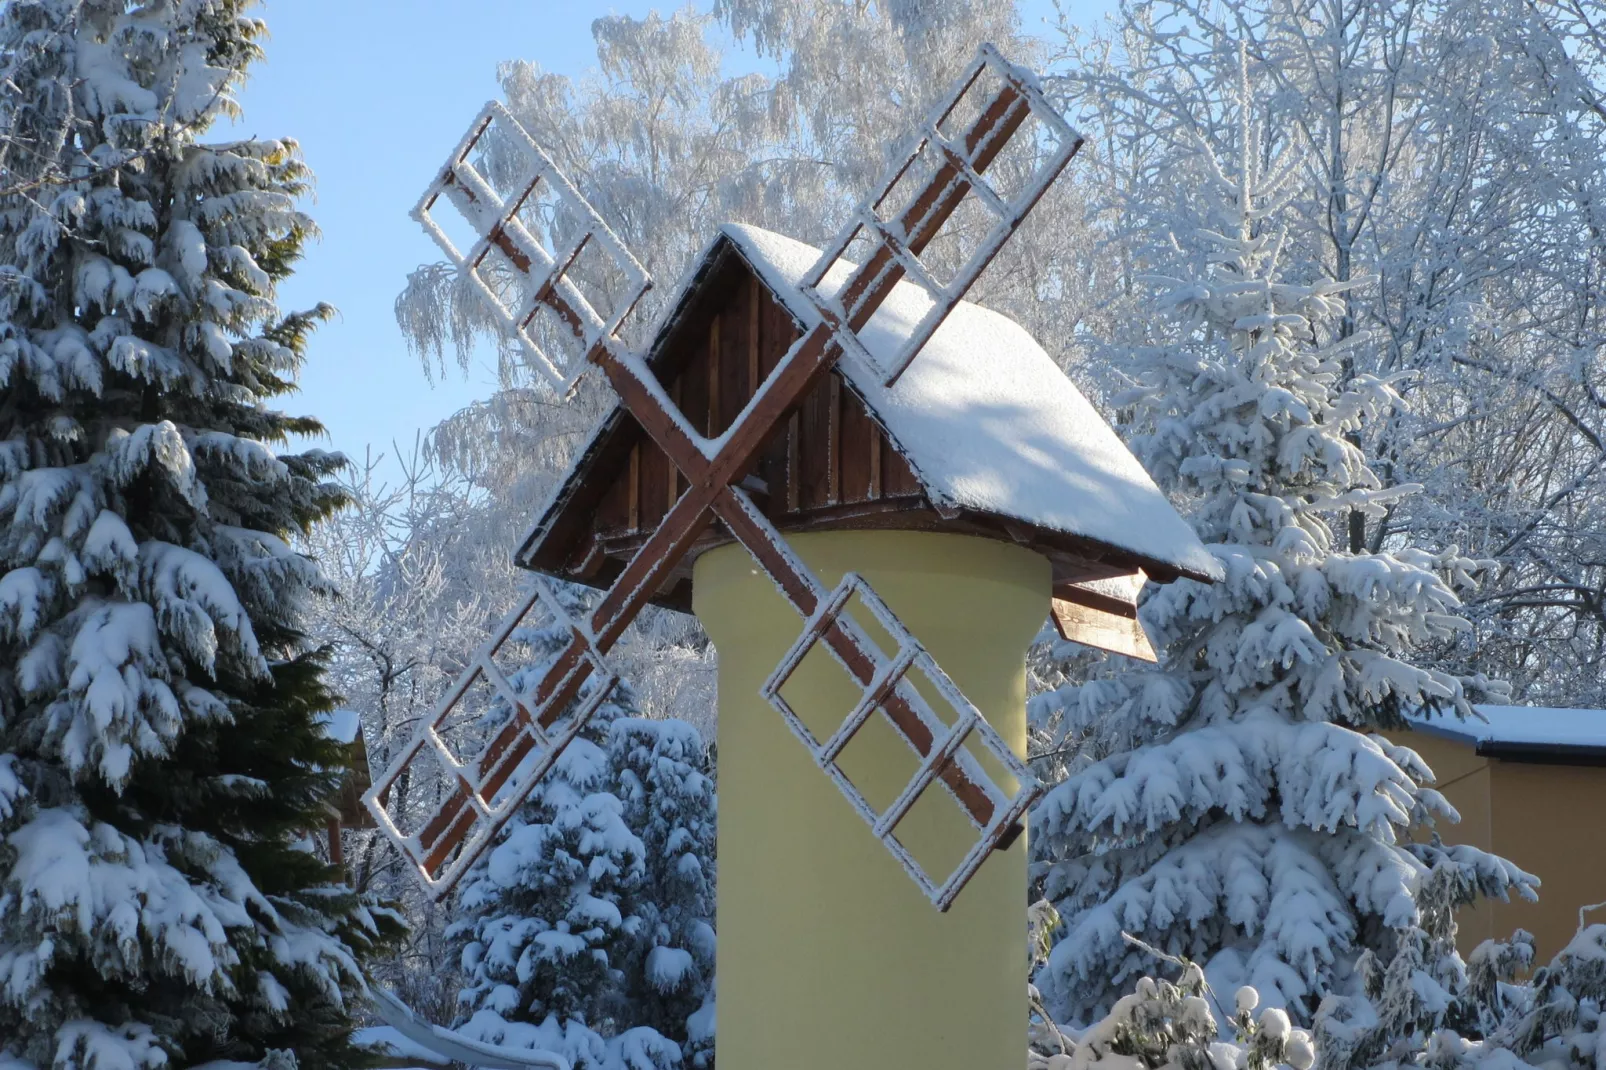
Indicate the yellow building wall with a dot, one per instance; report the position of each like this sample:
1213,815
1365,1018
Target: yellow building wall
829,955
1465,780
1551,821
1548,819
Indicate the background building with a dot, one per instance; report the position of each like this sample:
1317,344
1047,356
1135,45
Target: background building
1530,784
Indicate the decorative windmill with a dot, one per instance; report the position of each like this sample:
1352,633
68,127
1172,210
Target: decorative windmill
849,394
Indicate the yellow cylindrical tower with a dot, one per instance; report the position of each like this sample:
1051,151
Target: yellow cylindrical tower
830,957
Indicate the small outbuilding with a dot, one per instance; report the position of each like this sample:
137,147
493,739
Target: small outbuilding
1530,785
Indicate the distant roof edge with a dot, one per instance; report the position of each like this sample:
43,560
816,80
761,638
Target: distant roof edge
1526,733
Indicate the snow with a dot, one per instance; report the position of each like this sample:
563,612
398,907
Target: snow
406,1036
988,420
389,1041
1535,725
668,967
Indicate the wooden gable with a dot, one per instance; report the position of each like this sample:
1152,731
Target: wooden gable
830,465
830,454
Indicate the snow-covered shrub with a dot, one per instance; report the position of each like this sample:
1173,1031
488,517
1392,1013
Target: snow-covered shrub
1494,1019
1166,1025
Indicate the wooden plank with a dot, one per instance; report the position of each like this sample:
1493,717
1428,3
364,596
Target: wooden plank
692,383
833,439
734,387
777,332
814,449
898,480
615,509
1103,612
794,462
635,487
675,479
709,380
877,445
756,295
1100,628
859,452
655,469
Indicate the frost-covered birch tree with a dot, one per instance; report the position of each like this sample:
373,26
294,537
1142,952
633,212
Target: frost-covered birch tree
1454,152
420,581
160,756
1241,812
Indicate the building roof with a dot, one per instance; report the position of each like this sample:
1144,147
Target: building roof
985,418
1526,733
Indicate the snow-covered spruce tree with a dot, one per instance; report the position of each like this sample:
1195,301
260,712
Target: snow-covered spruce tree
588,927
1160,1025
1240,815
661,773
1494,1016
159,752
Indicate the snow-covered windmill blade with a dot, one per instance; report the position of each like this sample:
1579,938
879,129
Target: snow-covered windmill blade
525,261
944,165
528,249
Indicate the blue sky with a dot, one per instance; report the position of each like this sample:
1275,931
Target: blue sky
377,92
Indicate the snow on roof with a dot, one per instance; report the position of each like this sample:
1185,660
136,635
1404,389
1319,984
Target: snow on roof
988,420
1522,726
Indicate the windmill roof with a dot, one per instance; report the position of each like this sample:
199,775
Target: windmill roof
988,420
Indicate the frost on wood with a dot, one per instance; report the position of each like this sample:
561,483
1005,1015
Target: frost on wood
990,106
947,746
541,241
939,169
491,739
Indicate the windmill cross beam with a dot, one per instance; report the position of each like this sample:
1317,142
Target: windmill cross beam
487,788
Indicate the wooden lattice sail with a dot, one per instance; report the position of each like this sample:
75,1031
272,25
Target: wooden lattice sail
765,363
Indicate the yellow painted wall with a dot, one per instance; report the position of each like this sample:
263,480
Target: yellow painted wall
1551,821
830,958
1548,819
1464,779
